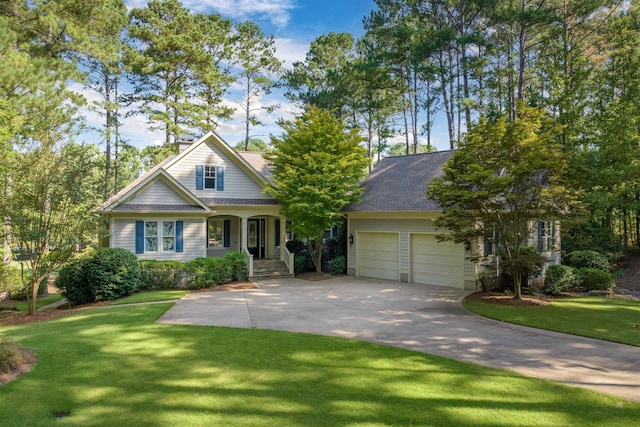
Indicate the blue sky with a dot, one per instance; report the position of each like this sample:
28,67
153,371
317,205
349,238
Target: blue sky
293,23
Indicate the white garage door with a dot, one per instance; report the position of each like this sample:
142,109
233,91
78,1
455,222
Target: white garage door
436,263
378,255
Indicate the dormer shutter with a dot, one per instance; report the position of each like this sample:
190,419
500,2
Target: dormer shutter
199,177
219,178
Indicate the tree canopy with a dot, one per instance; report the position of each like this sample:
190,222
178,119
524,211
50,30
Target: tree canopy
317,166
504,178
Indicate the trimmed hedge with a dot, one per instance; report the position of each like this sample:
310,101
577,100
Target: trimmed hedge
72,282
111,273
559,278
587,259
160,274
593,279
207,272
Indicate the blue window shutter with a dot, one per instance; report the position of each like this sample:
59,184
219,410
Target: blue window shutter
199,177
226,238
540,231
179,239
139,237
277,232
219,178
487,246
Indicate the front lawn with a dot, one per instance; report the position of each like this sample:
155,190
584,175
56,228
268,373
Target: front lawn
150,296
611,319
23,306
115,366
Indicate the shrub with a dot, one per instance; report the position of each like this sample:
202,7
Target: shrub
11,355
584,236
11,282
339,265
238,263
595,279
334,247
303,263
160,274
72,282
206,272
113,273
587,259
559,278
295,246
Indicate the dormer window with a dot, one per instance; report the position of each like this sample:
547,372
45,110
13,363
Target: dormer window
209,177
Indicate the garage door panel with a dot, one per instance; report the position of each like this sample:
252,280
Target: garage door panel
436,263
378,255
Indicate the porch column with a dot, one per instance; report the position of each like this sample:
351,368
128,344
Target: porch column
245,237
283,231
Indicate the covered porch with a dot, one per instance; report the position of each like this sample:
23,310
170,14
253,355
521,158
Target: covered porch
262,237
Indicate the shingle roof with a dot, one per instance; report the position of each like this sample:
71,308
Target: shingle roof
257,162
400,183
142,208
215,201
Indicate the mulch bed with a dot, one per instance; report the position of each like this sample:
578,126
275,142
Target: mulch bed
312,276
502,299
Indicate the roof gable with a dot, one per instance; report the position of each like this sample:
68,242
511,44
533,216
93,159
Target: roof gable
156,190
400,183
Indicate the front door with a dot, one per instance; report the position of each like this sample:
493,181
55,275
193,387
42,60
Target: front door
256,237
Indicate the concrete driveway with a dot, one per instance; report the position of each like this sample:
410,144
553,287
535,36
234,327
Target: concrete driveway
428,319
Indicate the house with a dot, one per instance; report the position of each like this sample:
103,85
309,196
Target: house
203,202
392,235
208,200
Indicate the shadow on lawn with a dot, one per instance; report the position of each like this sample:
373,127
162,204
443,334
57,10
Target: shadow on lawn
115,366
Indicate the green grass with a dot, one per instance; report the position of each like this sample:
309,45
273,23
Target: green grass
151,296
40,302
611,319
116,367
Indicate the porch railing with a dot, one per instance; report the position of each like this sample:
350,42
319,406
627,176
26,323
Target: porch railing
288,258
249,262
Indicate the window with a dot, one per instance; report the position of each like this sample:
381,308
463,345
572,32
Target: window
159,236
490,242
168,236
151,236
546,236
216,233
210,177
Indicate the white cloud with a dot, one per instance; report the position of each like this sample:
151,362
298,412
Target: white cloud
275,11
290,51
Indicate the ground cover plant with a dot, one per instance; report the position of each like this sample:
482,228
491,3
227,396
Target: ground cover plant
605,318
115,366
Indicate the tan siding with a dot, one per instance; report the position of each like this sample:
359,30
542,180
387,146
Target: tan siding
123,236
158,193
237,183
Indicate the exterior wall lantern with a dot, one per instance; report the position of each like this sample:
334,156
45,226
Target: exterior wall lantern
351,239
467,246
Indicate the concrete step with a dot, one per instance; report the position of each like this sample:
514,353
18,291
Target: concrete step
270,268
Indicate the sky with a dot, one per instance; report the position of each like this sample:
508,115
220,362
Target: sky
294,25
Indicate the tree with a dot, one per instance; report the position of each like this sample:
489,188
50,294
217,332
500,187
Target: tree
317,166
255,144
504,178
256,57
50,213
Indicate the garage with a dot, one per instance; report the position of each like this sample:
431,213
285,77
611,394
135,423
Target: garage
436,263
378,255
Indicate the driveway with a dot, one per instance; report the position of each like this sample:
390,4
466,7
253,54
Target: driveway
428,319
